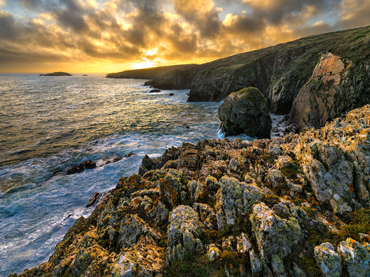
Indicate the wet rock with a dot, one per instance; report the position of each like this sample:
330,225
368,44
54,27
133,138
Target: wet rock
155,90
129,155
328,260
95,199
355,258
183,233
245,111
171,94
81,167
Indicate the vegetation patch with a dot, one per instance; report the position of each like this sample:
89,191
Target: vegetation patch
195,266
290,171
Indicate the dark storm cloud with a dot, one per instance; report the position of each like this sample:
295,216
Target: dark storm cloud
71,15
7,26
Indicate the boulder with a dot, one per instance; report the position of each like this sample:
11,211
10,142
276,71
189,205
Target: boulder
355,258
330,174
245,111
328,260
183,234
234,200
276,237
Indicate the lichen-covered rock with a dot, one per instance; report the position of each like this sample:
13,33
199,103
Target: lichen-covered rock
234,199
278,266
245,111
159,213
355,258
330,174
328,260
206,215
170,187
213,252
183,233
256,265
145,258
132,228
275,236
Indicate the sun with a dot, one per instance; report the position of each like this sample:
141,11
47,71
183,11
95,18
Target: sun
144,64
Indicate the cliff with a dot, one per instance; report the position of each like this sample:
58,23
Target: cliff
281,71
292,206
147,73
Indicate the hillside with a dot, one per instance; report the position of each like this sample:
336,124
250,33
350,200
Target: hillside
147,73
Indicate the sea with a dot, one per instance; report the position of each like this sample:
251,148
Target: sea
49,124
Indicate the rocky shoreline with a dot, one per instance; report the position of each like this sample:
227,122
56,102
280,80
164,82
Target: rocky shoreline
292,206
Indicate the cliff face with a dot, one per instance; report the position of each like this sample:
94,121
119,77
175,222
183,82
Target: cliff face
335,87
279,72
176,79
292,206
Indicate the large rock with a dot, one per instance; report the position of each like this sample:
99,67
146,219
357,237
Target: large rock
355,257
330,174
328,260
330,92
276,237
234,200
183,234
245,111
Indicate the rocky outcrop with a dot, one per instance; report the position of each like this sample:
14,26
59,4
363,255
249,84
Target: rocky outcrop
291,206
245,111
331,91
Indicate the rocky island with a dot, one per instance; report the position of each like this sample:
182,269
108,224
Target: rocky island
56,74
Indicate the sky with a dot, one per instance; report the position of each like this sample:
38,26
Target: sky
102,36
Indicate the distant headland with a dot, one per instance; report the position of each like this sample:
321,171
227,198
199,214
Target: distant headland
56,74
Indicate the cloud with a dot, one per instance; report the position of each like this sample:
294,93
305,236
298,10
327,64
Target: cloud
118,33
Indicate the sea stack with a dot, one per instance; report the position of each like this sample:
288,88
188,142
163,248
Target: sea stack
245,111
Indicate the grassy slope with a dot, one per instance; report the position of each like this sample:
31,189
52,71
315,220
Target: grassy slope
147,73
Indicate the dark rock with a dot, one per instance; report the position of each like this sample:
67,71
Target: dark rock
187,127
94,199
245,111
41,75
84,75
171,94
155,90
129,155
81,167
